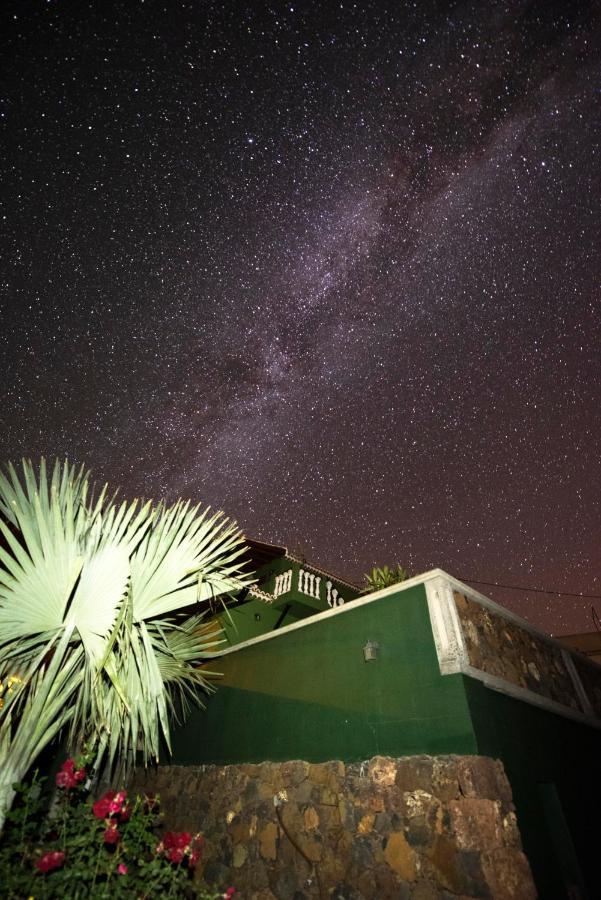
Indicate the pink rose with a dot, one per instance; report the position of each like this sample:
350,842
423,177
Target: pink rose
111,835
102,806
52,860
177,839
65,780
68,776
117,802
110,804
122,869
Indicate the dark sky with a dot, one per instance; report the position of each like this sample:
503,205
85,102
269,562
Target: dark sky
332,267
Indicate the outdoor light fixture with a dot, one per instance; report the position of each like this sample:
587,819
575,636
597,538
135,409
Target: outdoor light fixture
370,651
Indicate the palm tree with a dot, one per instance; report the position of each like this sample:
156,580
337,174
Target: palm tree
100,626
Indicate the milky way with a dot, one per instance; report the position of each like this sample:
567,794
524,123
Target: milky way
332,267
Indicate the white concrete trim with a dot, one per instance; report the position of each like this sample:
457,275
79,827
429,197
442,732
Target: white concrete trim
502,611
513,690
573,672
446,627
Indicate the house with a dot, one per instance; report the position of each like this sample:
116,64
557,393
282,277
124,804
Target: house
427,669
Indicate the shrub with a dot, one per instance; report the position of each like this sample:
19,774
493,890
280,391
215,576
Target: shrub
84,848
382,576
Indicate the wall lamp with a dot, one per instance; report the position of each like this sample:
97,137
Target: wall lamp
371,650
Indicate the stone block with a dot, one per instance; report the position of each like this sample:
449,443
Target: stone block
303,792
362,852
445,864
344,847
240,856
445,781
511,832
471,868
414,773
239,833
423,817
367,886
504,792
383,823
267,841
311,847
507,872
476,823
346,813
328,797
283,882
376,803
332,870
389,885
382,770
310,818
366,823
480,777
294,772
401,858
266,790
323,773
330,818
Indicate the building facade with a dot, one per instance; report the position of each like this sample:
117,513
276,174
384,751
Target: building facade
313,671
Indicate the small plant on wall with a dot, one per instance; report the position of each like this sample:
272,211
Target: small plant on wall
382,577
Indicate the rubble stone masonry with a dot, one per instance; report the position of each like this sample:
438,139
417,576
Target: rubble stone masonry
500,647
418,827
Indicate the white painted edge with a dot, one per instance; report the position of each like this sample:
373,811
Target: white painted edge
582,695
502,611
448,635
513,690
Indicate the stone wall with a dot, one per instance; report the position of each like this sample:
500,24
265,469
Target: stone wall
500,647
416,827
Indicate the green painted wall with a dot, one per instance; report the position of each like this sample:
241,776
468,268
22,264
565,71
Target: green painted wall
309,694
251,619
541,748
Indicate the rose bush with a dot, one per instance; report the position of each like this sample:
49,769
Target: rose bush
102,848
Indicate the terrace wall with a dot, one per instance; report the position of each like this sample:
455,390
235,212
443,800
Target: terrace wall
418,827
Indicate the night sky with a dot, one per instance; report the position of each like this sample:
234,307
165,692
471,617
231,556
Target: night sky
332,267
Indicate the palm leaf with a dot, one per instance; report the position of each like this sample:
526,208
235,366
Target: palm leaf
86,590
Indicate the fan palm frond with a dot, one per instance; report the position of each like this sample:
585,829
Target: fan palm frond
91,600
